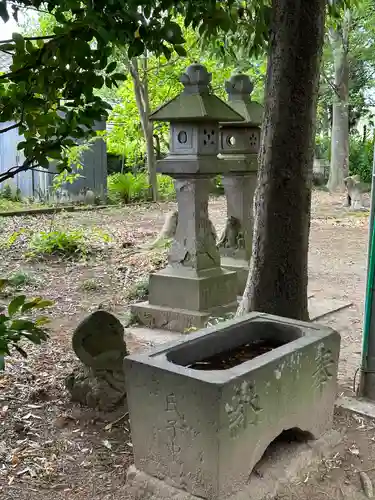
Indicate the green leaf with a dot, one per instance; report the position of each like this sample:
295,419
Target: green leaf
180,50
17,37
2,358
173,33
55,154
136,49
30,305
7,46
3,283
16,304
43,320
119,77
29,47
22,324
60,18
167,52
111,67
42,304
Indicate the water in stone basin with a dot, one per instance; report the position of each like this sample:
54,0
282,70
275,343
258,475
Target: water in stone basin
237,355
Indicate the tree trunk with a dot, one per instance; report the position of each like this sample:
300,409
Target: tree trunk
151,160
277,282
340,112
143,104
149,134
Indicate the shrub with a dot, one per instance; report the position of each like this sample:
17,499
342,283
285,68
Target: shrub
60,242
361,159
90,285
138,291
17,325
322,147
6,193
166,187
66,243
128,188
20,278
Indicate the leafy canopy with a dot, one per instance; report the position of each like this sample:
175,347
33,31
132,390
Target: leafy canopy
51,89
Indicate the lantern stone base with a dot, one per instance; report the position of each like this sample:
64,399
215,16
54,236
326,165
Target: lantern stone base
177,320
180,299
241,267
209,427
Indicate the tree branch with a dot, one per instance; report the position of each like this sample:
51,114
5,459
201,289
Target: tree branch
330,83
12,172
31,38
11,127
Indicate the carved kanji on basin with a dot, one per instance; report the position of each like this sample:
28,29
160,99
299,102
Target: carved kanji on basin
193,286
208,428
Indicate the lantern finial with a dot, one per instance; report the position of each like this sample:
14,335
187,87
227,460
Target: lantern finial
239,87
196,79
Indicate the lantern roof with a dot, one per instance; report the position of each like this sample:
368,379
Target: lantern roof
196,103
239,89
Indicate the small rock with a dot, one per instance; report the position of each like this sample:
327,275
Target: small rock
366,485
127,244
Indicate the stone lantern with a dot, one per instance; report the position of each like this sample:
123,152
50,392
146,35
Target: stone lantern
239,148
193,286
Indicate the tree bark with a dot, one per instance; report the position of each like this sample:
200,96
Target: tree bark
277,282
339,40
143,104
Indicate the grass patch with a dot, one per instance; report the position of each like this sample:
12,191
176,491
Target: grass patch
138,291
60,242
20,278
90,285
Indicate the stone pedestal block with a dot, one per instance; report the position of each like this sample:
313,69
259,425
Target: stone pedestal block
193,286
208,428
235,244
241,267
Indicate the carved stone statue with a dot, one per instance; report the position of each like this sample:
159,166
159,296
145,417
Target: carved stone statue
232,237
355,189
169,228
98,342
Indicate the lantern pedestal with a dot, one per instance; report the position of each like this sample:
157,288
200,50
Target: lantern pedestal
193,287
236,241
239,146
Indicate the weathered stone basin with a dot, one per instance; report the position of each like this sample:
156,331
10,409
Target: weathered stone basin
204,430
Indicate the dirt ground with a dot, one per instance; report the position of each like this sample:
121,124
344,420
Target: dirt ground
50,447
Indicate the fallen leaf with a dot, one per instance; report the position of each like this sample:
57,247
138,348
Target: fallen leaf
4,411
354,450
107,444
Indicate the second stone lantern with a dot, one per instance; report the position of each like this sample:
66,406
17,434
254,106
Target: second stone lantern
193,286
239,148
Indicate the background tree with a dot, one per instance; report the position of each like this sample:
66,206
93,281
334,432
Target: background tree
348,72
